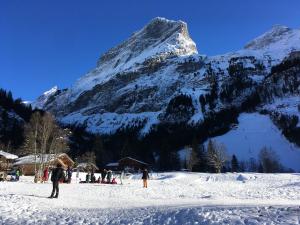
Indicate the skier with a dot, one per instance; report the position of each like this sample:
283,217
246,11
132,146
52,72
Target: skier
145,177
109,176
57,175
69,175
103,175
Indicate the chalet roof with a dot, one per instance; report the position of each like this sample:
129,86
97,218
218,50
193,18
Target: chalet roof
30,159
8,155
141,162
112,164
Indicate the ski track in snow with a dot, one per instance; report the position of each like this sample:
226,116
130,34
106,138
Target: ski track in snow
172,198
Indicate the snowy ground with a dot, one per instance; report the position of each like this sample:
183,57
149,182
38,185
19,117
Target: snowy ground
172,198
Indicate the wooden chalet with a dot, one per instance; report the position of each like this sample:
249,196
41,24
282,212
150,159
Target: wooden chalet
6,160
128,164
29,163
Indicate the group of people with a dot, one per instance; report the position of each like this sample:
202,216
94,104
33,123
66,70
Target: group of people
58,176
106,177
11,176
67,175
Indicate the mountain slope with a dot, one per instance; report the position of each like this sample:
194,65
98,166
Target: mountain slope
156,80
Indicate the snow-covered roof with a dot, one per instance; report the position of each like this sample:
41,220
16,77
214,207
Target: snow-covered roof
31,159
8,155
112,164
134,160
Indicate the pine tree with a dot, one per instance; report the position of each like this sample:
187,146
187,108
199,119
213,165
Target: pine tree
198,155
126,149
253,167
234,164
175,161
98,148
260,168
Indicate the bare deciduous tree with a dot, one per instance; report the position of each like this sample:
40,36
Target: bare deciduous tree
192,157
43,136
216,155
269,160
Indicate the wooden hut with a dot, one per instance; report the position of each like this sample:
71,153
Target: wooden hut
112,166
28,164
131,164
6,160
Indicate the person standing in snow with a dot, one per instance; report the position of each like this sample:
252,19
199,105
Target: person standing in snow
93,178
103,175
145,177
109,176
57,175
69,175
45,175
87,177
17,175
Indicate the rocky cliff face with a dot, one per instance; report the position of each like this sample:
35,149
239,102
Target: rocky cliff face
157,77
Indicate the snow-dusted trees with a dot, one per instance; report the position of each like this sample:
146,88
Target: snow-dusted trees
216,155
269,161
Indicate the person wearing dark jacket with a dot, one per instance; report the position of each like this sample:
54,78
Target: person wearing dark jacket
109,176
57,175
69,175
145,177
103,175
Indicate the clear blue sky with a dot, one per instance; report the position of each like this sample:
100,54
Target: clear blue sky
54,42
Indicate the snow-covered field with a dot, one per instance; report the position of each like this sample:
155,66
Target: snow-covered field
171,198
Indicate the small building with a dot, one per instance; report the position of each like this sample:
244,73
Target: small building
86,167
128,164
6,160
28,164
112,166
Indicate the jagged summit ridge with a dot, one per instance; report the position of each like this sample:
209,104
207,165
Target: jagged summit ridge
158,40
160,37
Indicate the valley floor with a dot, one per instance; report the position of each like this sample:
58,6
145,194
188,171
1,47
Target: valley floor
172,198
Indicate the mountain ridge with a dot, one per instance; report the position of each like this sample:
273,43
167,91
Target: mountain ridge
140,91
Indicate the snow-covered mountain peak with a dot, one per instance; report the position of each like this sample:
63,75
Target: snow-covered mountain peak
51,91
39,103
160,37
277,33
158,40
